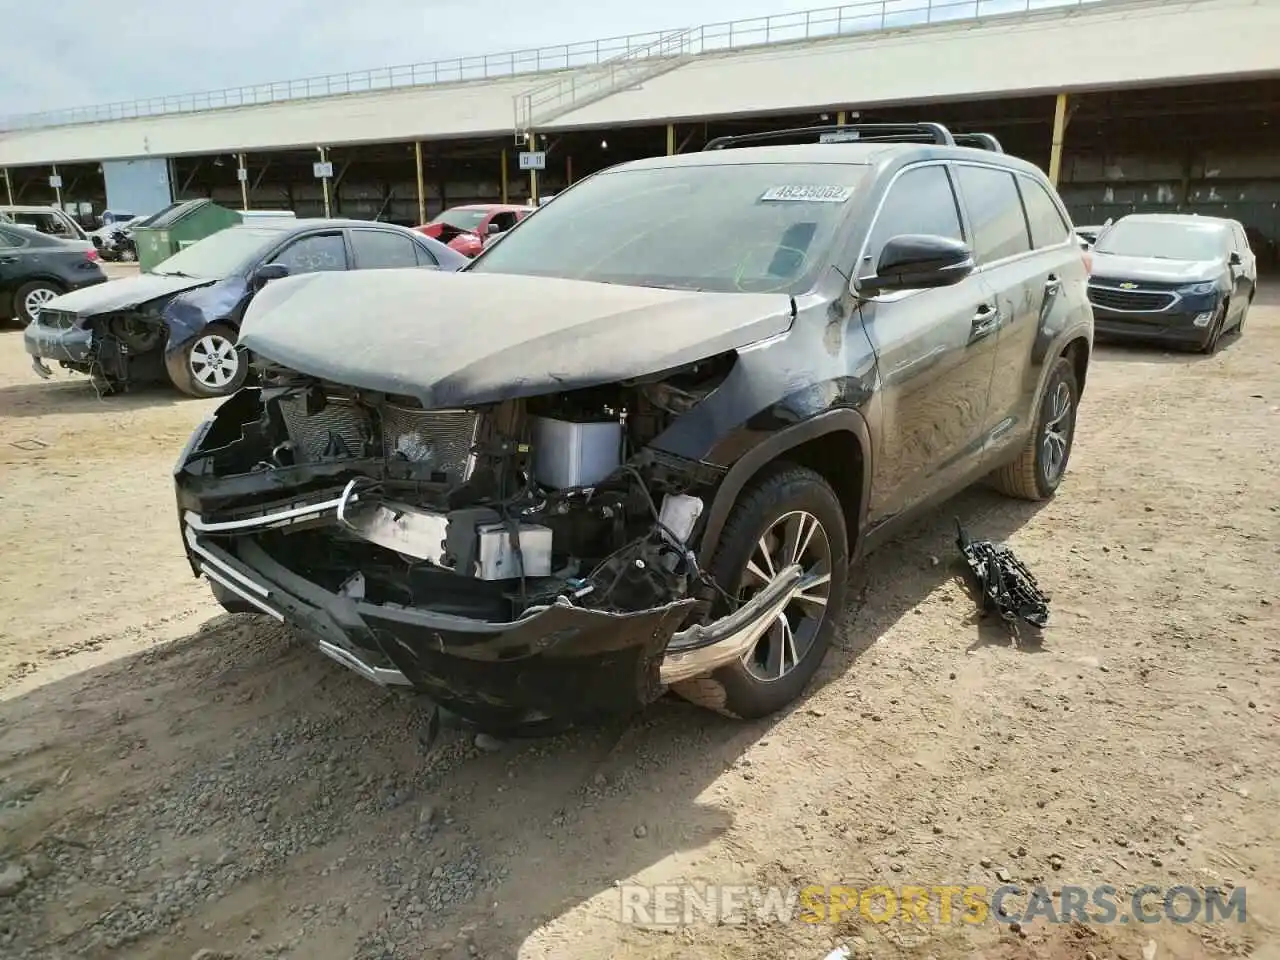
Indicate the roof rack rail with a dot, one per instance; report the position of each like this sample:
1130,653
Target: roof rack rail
983,141
848,133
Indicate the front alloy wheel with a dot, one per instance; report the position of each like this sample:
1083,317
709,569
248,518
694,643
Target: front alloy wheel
212,366
794,538
790,516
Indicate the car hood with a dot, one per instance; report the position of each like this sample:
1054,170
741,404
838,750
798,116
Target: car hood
1113,267
123,294
456,339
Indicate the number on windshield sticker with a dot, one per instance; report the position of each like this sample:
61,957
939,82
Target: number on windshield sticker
807,194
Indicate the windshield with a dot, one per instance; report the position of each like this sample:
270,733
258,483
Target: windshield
462,218
218,256
749,228
1163,240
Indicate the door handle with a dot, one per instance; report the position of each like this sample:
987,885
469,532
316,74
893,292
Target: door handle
8,259
984,321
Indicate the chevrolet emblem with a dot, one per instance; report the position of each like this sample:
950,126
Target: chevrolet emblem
1128,286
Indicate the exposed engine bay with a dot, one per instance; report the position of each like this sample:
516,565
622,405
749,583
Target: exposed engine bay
481,513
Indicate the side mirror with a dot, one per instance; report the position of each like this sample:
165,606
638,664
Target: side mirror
268,272
1235,259
492,229
915,261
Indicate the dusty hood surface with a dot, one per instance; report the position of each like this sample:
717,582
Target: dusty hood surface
455,339
123,294
1113,267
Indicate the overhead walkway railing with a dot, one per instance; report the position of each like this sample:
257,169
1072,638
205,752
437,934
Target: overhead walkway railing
852,18
571,90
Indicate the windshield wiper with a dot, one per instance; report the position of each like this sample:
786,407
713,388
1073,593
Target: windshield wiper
173,273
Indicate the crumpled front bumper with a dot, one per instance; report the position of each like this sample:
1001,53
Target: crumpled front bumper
559,660
63,344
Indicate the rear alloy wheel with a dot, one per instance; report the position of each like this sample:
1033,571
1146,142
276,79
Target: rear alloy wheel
792,516
212,366
32,297
1042,463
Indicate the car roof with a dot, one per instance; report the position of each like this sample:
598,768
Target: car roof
486,206
288,225
854,154
1178,219
29,208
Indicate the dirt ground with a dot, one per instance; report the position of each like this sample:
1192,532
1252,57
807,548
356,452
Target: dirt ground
178,783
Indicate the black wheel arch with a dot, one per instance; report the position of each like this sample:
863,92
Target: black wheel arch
835,444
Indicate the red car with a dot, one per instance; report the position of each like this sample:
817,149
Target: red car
467,228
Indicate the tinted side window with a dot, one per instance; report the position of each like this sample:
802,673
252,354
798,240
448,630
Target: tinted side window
920,201
505,221
381,248
1047,226
321,251
999,227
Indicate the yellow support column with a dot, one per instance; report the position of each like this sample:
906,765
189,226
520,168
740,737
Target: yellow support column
422,185
504,175
1059,134
840,117
244,182
671,139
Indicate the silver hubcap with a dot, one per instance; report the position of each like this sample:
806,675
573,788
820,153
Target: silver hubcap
794,538
36,299
214,361
1057,432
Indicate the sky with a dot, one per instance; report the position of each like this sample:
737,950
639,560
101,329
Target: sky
77,53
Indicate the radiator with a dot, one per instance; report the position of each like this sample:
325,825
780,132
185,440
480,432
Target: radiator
441,439
340,430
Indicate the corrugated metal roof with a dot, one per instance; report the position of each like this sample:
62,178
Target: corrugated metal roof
1092,47
437,112
1100,47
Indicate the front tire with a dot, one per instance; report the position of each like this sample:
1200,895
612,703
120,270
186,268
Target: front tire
1216,327
1042,463
32,296
211,365
790,516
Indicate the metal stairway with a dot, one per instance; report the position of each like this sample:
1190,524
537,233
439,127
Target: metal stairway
573,89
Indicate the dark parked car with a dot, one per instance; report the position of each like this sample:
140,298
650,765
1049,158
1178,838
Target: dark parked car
731,374
1175,278
35,268
182,320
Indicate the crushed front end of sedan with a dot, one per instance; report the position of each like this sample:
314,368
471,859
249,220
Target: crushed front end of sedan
476,511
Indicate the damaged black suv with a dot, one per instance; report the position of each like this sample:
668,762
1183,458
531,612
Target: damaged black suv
636,445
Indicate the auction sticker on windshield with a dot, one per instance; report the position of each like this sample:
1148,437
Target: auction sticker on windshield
808,194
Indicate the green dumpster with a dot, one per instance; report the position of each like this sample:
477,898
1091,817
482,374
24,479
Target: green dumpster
179,225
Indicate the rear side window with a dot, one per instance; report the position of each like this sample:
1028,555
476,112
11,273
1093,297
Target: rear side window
11,240
920,201
1048,229
999,226
425,257
381,249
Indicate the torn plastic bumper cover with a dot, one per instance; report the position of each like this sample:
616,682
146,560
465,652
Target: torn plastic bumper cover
555,660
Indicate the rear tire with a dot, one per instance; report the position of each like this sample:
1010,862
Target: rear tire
31,296
789,506
1042,463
